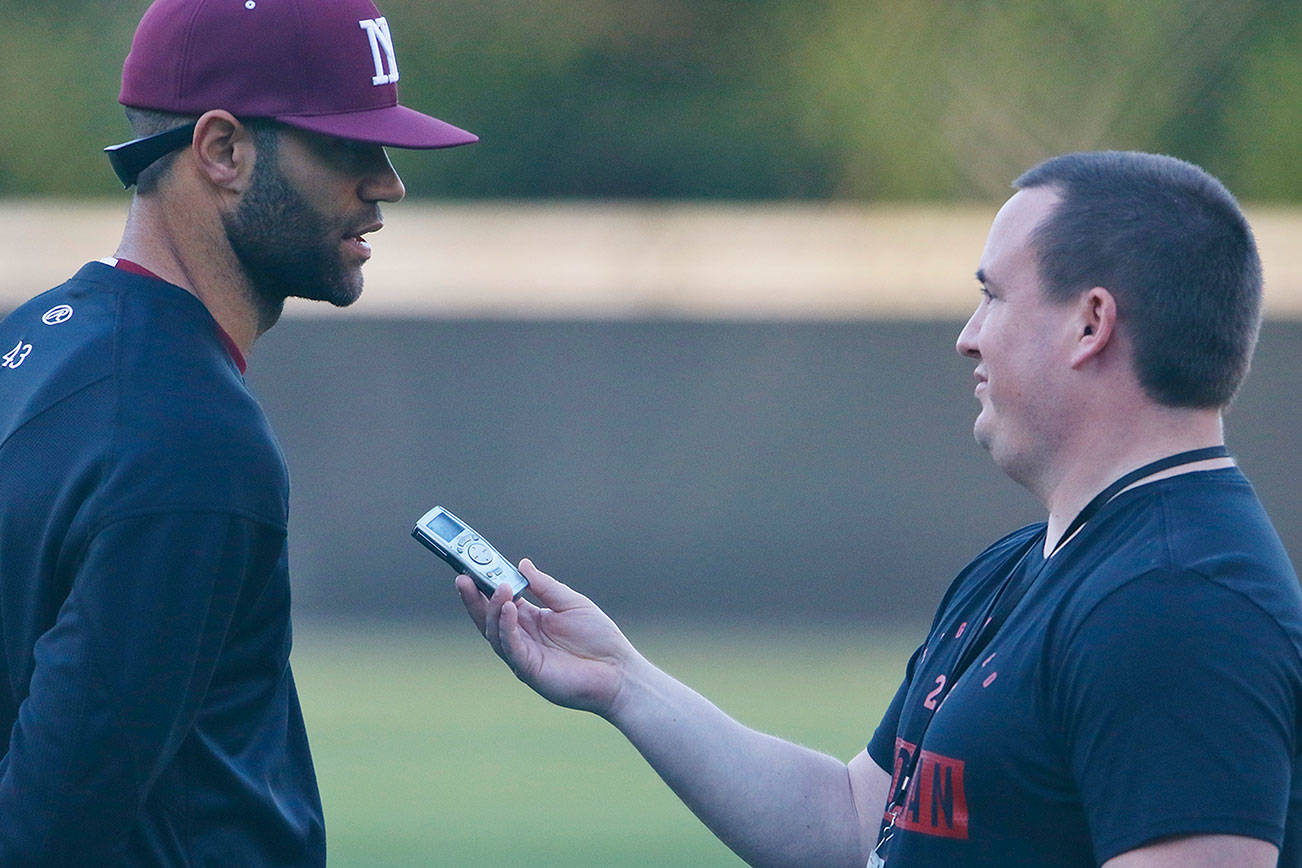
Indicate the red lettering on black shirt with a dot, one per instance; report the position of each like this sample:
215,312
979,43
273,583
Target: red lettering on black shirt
936,803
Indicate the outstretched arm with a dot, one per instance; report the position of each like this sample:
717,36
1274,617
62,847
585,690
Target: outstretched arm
771,801
1200,851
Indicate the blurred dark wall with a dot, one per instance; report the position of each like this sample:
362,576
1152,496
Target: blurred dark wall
678,470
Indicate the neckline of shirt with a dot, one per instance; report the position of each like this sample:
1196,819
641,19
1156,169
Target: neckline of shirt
139,270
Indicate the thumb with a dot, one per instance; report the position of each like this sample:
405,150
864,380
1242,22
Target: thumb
553,594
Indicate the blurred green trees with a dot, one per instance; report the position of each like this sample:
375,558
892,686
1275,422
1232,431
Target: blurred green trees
750,99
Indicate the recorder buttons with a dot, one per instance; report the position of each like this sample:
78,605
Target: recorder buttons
480,553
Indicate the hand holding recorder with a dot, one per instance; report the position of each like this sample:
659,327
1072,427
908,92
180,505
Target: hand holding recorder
567,650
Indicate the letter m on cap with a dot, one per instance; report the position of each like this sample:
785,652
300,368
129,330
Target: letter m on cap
377,29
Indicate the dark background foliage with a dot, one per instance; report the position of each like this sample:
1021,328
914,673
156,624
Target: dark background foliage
747,99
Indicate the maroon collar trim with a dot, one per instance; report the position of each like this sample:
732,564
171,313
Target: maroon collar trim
226,340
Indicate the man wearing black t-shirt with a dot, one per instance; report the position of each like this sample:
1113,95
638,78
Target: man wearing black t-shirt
148,711
1119,685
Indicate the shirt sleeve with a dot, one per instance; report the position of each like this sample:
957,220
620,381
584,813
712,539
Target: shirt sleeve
1177,700
882,746
120,677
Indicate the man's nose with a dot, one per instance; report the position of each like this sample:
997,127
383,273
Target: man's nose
967,338
381,183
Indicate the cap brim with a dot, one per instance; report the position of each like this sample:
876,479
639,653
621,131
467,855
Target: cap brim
394,126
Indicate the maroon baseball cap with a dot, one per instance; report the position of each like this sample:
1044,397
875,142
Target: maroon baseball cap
327,66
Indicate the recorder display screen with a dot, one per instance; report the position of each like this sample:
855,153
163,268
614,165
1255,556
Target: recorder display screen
446,528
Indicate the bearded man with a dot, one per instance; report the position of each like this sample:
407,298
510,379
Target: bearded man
148,709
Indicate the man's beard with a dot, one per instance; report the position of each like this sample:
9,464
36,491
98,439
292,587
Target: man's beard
286,247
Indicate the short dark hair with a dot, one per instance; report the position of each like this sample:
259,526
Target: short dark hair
147,122
1170,243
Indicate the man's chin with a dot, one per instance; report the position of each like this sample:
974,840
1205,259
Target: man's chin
338,296
343,300
982,435
349,291
333,301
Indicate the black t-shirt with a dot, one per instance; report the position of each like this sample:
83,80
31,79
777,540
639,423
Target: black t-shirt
147,709
1148,684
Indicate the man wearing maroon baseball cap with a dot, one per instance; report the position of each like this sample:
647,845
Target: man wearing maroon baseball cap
148,705
326,66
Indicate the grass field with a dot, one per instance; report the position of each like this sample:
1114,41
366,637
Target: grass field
430,753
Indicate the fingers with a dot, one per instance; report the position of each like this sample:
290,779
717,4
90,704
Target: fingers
509,634
484,611
551,593
498,618
507,624
475,602
493,616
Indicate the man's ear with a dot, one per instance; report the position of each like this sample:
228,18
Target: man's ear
1096,324
224,151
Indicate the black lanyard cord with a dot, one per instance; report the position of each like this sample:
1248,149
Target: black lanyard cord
1011,590
1019,580
1104,497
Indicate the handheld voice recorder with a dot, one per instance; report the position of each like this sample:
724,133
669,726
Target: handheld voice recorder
467,552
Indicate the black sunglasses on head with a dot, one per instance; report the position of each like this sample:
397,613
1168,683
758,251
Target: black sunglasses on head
131,158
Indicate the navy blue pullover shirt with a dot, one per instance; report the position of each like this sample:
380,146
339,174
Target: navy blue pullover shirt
147,705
